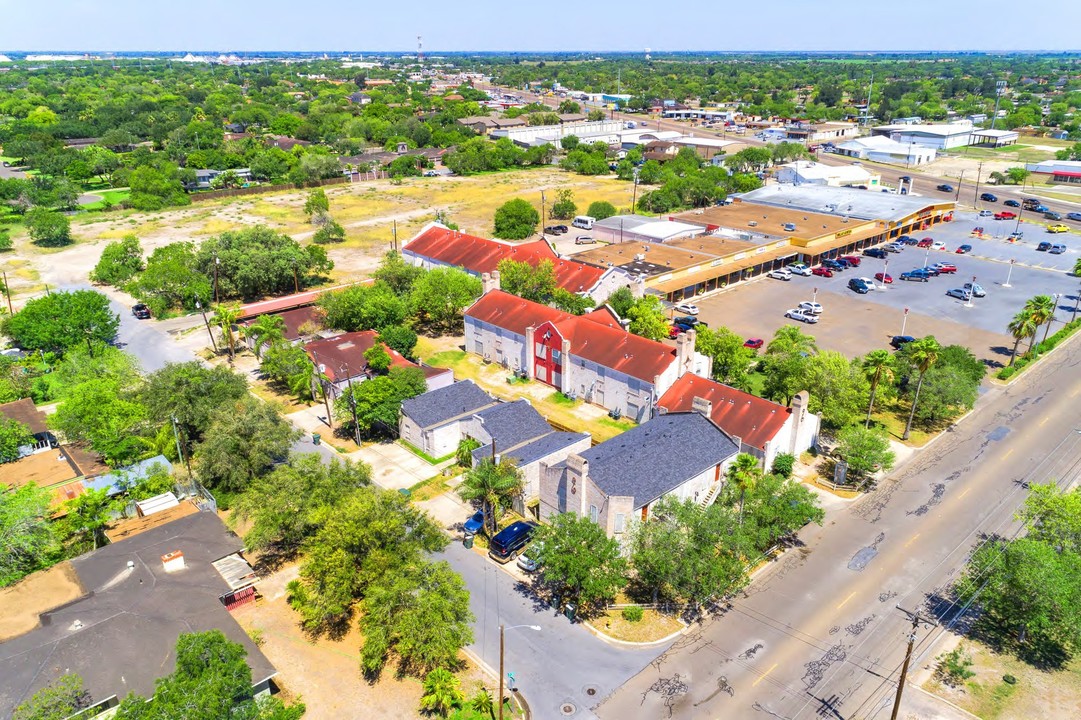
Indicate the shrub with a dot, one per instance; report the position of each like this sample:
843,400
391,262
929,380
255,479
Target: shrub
633,613
601,209
516,220
5,241
953,668
783,464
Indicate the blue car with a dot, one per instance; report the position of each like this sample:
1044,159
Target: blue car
1073,216
914,276
833,265
474,524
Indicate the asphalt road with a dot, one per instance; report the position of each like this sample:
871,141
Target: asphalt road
821,635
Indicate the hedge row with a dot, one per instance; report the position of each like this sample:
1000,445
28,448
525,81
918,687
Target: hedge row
1046,346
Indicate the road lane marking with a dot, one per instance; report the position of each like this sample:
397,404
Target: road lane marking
846,599
1044,421
912,539
964,493
1008,453
1076,392
763,675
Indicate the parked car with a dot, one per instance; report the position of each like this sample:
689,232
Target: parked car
1052,215
1057,249
1060,228
1040,208
945,188
959,293
976,289
985,213
779,274
1005,215
584,240
475,523
800,269
811,307
1030,203
833,265
509,541
915,276
563,229
1043,247
683,327
141,311
689,320
1016,235
1011,203
853,260
688,308
907,240
938,245
822,272
753,343
859,286
988,197
944,267
963,249
875,253
527,561
884,278
1073,216
844,263
899,341
802,316
926,242
553,230
674,331
894,247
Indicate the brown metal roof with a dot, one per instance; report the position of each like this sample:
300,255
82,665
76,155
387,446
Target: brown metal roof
26,412
342,356
754,420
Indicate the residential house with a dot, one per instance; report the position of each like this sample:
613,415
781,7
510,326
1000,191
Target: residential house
341,362
359,98
438,246
764,428
681,455
589,356
24,411
432,421
204,177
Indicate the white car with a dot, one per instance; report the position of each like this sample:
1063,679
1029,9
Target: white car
780,274
799,269
986,213
938,245
811,307
801,315
687,308
871,283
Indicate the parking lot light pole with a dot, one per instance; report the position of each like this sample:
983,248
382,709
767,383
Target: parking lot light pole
1009,273
1077,301
885,273
927,256
971,292
904,321
814,295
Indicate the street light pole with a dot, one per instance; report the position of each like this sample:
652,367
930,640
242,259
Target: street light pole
634,194
217,262
200,308
501,645
904,321
971,292
976,194
1009,273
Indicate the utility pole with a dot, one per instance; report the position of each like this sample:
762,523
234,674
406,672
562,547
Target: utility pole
179,449
976,195
200,308
960,181
542,213
7,292
500,698
352,404
916,620
296,281
394,233
217,262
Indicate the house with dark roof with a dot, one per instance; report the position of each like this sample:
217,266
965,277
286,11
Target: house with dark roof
681,455
122,608
765,428
24,411
438,246
340,361
432,421
588,356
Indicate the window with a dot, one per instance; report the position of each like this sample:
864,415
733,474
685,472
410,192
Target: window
593,513
555,355
541,351
619,522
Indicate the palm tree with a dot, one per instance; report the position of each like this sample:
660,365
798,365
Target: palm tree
225,316
1077,268
744,474
495,485
878,364
1042,308
923,353
789,339
1022,326
442,692
266,330
482,702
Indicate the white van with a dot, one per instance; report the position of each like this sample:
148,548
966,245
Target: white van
584,221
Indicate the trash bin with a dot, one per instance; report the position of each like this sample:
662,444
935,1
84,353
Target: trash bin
569,611
405,492
556,600
468,541
316,438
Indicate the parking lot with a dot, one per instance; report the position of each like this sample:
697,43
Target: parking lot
855,324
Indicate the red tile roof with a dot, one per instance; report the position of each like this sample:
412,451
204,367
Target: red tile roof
595,336
481,255
754,420
345,352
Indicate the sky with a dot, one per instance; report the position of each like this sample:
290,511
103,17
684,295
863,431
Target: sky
555,25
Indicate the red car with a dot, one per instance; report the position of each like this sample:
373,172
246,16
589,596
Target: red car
945,268
1005,215
824,272
926,242
884,278
854,259
753,343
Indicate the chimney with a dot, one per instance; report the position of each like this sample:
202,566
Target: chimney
489,282
702,406
577,472
685,353
173,561
530,351
799,416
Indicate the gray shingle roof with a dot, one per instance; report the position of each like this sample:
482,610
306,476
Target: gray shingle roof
439,406
513,423
535,449
658,456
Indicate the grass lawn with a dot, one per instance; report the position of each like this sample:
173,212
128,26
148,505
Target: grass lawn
895,417
114,196
653,626
1020,152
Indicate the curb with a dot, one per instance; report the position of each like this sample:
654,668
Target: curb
519,699
1049,353
601,635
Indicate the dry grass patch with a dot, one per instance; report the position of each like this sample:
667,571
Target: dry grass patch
653,626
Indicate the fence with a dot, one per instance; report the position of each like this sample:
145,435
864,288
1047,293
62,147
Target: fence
258,189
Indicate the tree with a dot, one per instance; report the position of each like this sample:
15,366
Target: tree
579,561
1022,327
258,261
288,365
211,681
494,485
59,700
622,300
564,207
837,386
1041,309
364,307
775,508
317,206
866,450
595,115
330,232
1017,175
62,320
226,317
648,318
102,413
172,279
13,435
377,358
399,338
190,393
569,107
516,220
48,228
397,274
878,366
744,474
463,455
378,400
120,261
569,142
923,354
442,692
570,302
27,540
440,295
244,441
953,382
532,282
1077,268
265,330
284,505
86,518
1053,517
731,359
601,209
421,613
786,362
